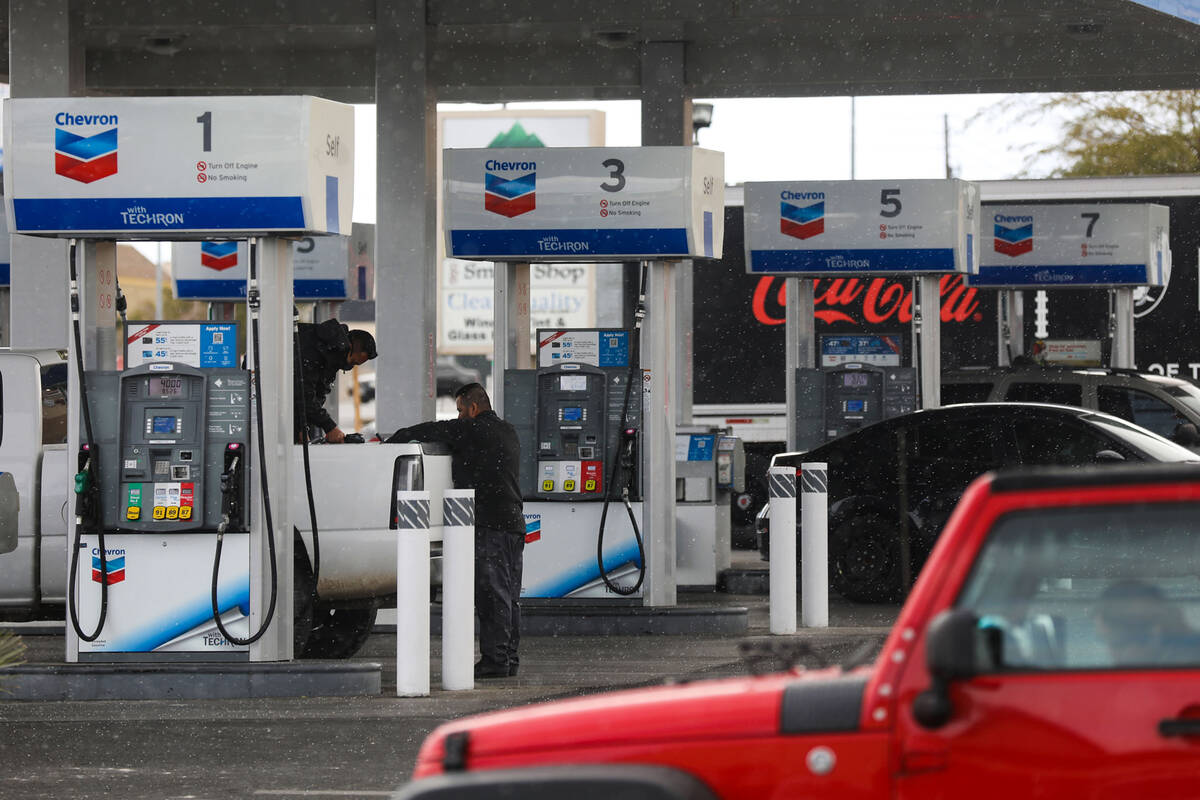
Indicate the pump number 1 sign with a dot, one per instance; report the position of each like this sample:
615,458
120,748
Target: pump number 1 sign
178,167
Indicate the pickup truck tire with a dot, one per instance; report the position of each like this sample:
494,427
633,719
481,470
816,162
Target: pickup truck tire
864,558
303,597
338,631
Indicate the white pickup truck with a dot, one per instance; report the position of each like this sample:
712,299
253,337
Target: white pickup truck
352,485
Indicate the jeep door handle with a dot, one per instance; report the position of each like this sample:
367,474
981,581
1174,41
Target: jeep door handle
1180,726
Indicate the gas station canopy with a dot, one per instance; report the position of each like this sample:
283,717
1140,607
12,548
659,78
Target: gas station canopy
484,51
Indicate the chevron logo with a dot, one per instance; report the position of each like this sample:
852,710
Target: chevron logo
801,222
218,255
85,158
509,197
1013,241
116,570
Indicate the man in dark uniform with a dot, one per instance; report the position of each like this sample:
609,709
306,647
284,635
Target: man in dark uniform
485,456
325,349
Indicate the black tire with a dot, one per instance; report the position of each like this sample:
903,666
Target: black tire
304,592
864,559
339,632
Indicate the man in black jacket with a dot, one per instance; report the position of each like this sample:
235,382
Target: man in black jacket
326,349
485,456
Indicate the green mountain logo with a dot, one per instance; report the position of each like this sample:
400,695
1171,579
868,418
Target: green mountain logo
516,136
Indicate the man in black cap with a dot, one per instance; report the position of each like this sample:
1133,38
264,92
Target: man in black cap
485,456
325,349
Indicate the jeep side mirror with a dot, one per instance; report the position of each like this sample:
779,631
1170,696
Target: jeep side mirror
950,646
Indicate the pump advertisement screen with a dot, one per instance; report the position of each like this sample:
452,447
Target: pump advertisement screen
583,203
825,228
1095,244
178,167
200,344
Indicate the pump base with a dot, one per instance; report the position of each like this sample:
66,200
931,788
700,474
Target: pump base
209,681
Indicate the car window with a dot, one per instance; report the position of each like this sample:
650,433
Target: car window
1145,444
1063,394
1140,408
1090,588
953,393
861,462
949,456
1045,440
54,404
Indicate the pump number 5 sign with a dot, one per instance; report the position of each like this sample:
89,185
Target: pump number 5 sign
857,227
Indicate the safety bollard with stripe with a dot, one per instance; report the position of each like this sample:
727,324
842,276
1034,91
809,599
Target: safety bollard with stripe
458,589
412,593
782,508
814,544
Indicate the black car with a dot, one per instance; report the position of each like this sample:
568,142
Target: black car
892,485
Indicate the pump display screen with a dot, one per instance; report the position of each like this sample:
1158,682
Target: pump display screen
162,424
855,406
572,414
573,383
166,386
855,380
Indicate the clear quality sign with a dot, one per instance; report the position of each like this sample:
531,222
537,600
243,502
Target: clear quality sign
826,228
584,203
178,167
1094,244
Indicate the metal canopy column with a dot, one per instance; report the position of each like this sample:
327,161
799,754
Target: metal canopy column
1122,328
800,334
406,210
666,120
510,340
274,376
45,60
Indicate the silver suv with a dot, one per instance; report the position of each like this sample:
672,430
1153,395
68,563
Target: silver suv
1169,407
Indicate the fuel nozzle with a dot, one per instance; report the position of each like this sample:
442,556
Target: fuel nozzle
231,485
86,488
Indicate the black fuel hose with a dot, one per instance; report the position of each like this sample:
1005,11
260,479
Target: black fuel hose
626,439
92,486
252,303
312,505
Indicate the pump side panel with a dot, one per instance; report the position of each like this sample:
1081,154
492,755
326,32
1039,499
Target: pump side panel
21,455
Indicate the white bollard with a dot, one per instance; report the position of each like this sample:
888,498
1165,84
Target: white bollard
412,594
782,484
458,589
814,544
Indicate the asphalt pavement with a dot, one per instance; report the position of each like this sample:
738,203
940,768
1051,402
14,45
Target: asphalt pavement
355,747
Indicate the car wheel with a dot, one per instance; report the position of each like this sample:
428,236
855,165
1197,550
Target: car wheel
338,632
864,559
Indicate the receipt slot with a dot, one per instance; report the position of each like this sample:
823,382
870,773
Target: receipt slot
833,401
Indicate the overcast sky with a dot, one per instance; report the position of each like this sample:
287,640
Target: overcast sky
804,138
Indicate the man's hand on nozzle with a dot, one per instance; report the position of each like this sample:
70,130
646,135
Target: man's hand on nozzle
335,436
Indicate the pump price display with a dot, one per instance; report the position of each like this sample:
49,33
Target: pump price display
166,386
861,227
1097,244
178,167
584,203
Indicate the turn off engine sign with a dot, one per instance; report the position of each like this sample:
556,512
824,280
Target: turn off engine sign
178,167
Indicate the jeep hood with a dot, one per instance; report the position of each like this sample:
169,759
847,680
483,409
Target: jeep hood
565,730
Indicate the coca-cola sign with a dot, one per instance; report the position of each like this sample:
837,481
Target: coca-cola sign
874,301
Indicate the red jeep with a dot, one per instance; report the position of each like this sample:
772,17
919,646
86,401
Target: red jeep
1050,648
